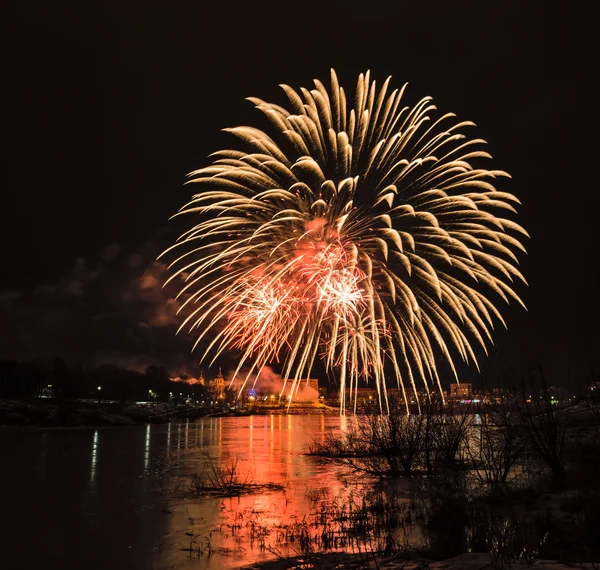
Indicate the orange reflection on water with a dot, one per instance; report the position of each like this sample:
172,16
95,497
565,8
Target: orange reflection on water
266,449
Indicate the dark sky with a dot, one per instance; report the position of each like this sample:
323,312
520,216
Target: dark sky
110,106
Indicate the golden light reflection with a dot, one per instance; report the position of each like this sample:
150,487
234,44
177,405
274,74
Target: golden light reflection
271,438
271,449
251,438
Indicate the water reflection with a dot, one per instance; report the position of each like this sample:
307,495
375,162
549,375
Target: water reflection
265,449
94,457
147,447
120,506
130,506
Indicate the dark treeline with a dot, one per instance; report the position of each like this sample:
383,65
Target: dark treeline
56,379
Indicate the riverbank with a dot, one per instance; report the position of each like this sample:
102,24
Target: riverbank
47,413
68,414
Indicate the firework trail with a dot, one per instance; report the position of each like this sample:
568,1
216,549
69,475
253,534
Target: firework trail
357,234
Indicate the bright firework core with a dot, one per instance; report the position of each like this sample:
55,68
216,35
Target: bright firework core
359,235
320,282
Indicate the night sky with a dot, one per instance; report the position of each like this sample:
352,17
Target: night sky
109,107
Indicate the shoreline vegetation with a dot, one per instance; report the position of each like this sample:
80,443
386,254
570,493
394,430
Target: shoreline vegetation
511,483
461,523
515,479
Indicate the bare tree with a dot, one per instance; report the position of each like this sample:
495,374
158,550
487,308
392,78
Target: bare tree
398,439
383,445
545,421
497,444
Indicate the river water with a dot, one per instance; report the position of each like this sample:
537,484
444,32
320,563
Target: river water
118,498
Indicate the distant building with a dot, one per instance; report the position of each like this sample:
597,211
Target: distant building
217,385
461,390
363,396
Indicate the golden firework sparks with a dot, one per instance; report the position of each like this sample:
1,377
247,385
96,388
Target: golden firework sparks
362,235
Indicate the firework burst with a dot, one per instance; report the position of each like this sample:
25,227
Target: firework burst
358,234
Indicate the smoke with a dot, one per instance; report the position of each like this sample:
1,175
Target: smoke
270,382
112,309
